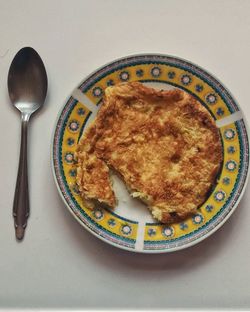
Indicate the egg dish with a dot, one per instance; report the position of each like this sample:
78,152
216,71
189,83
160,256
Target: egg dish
164,145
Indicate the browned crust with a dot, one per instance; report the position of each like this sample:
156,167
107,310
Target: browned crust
164,144
94,181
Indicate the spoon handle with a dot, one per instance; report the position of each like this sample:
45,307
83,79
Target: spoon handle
21,198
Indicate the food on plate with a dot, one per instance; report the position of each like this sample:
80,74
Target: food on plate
164,145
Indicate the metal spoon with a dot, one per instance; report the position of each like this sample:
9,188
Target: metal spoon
27,85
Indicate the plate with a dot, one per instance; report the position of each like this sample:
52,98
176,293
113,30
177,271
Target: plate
130,226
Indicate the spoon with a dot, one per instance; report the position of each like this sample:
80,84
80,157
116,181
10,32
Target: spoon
27,85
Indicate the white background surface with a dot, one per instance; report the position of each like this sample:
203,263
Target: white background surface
59,264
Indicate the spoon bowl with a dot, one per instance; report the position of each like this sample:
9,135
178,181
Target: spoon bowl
27,81
27,85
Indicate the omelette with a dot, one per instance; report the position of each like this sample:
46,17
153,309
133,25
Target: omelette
164,145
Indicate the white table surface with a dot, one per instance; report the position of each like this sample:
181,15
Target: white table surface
59,264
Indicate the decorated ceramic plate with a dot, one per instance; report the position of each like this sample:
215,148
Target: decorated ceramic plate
130,225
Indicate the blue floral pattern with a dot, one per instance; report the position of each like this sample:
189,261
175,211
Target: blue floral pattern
198,218
80,111
72,172
219,196
226,181
209,208
111,222
229,134
70,141
231,165
69,157
168,231
186,79
75,189
171,75
110,82
124,76
199,87
156,72
211,98
220,112
98,214
231,149
151,232
139,73
97,92
183,226
126,229
74,125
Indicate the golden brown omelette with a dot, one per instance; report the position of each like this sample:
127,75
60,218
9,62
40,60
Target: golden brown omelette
163,144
